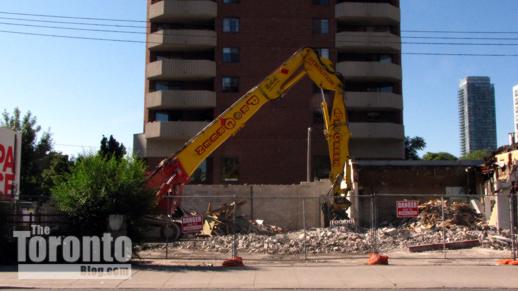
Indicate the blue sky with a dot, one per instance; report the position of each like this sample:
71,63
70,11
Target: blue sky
84,89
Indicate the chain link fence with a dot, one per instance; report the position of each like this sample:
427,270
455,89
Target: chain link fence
276,228
403,226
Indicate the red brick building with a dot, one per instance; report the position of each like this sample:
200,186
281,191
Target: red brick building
203,55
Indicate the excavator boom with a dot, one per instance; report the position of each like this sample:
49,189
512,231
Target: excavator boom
176,170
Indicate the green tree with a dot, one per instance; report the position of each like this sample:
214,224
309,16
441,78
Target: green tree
412,146
111,148
37,155
97,187
476,155
439,156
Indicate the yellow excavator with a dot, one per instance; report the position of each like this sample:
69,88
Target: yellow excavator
174,172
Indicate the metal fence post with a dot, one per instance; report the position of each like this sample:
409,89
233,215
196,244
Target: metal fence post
234,234
374,228
304,226
443,227
512,222
252,202
168,212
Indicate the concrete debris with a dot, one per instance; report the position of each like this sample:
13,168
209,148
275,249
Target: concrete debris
340,240
221,222
462,227
455,213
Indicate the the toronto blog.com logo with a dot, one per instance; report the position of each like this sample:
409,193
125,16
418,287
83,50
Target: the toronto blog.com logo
44,256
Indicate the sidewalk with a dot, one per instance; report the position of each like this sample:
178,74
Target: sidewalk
313,275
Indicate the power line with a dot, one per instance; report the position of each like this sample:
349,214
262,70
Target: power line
139,41
176,33
460,31
73,28
145,21
74,23
76,145
143,42
83,146
73,37
71,17
459,54
431,43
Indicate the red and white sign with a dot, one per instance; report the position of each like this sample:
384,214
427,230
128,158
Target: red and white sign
407,208
10,157
192,223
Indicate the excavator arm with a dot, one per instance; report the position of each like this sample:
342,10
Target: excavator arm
172,173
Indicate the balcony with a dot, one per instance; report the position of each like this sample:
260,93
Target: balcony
182,39
154,148
369,71
180,99
181,70
182,11
368,130
379,100
375,149
173,130
367,12
368,41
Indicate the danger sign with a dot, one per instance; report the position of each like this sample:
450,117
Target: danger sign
10,144
407,208
192,223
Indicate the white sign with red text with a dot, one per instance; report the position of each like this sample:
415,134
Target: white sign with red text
10,159
407,208
192,223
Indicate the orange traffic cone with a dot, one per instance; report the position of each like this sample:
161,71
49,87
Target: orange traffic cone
507,262
233,262
377,259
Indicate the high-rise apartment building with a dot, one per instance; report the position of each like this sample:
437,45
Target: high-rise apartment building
203,55
515,109
477,117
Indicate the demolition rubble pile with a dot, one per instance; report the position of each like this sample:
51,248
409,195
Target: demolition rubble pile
461,223
455,214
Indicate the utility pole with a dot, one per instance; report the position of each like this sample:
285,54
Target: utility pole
308,157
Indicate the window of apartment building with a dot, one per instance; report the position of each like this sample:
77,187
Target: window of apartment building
323,53
365,28
372,116
206,25
318,117
184,115
392,2
320,2
230,84
231,55
230,1
365,57
321,25
161,86
201,174
230,169
161,116
321,167
230,24
371,87
386,59
182,85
